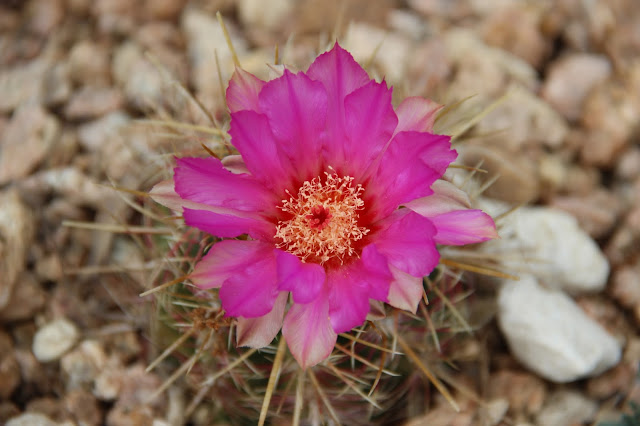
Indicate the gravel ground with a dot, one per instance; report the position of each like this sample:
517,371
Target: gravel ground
76,75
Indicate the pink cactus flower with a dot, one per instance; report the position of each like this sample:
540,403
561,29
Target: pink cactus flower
339,195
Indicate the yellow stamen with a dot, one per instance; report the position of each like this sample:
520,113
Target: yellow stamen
324,219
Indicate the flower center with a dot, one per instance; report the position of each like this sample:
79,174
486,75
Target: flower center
322,220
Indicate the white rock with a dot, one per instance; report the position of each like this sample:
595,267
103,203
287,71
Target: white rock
254,13
205,40
390,51
552,247
567,408
551,335
54,339
31,419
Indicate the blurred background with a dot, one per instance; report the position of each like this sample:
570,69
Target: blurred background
78,76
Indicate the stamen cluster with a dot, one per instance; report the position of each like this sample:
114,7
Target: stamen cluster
322,220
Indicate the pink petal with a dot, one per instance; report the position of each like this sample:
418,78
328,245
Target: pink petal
416,114
406,240
219,221
410,165
296,108
446,197
252,136
308,331
352,286
341,75
243,91
259,332
230,224
405,291
165,194
349,300
251,291
206,181
235,164
224,259
464,227
303,280
369,125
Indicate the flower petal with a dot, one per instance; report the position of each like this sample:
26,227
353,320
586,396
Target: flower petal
243,91
405,291
235,164
464,227
164,193
341,75
251,291
303,280
296,108
259,332
224,259
446,197
369,125
410,165
352,286
230,223
308,331
252,137
406,240
416,114
206,181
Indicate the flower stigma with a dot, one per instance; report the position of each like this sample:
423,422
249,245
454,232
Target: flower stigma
322,220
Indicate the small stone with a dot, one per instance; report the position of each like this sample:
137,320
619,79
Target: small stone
89,64
83,364
31,419
628,167
8,410
625,287
26,300
252,13
96,134
392,50
9,368
483,70
163,9
609,118
567,408
16,234
91,102
518,181
496,409
570,80
553,248
551,335
43,16
597,213
140,80
623,245
54,339
117,17
28,138
83,407
617,380
22,83
531,390
516,30
49,267
521,119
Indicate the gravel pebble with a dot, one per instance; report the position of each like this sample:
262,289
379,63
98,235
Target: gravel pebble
571,78
54,339
27,139
551,335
